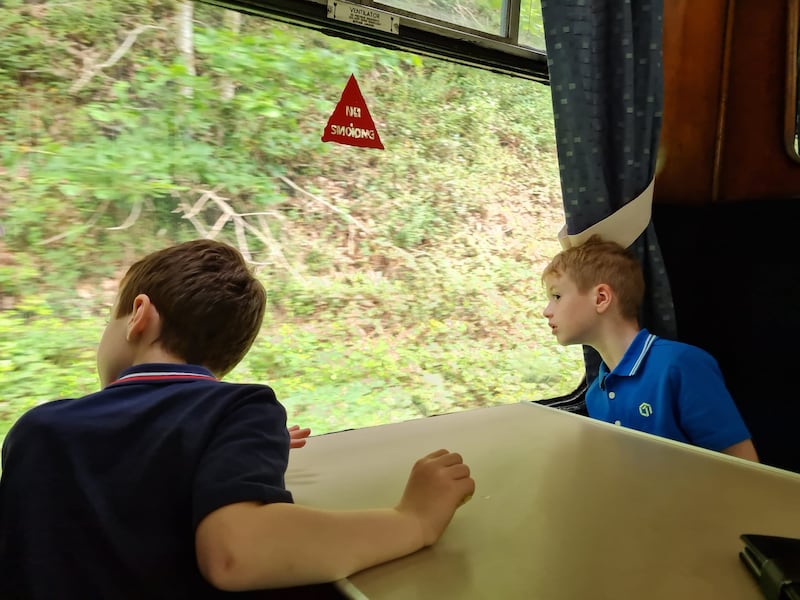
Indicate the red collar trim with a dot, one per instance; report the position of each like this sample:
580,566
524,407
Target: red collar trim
161,377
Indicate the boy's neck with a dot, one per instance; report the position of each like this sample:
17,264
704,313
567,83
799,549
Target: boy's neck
615,340
154,353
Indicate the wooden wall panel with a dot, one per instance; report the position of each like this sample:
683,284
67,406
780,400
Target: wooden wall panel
754,162
693,57
724,103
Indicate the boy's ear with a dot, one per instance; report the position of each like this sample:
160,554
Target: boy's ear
141,316
602,297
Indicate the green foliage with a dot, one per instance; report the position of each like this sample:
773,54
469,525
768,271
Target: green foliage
336,379
401,283
43,357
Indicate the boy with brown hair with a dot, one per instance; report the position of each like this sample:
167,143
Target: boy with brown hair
169,483
647,383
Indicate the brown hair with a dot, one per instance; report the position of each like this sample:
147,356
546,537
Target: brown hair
598,261
211,305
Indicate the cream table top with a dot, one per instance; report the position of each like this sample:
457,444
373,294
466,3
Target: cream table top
565,507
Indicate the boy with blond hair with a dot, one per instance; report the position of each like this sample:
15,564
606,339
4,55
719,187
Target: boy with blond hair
651,384
168,482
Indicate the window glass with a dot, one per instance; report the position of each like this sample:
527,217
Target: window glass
481,15
402,282
531,28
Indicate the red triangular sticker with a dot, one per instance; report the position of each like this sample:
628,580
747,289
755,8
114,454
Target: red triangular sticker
351,122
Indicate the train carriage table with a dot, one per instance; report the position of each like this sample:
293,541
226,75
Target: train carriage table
565,507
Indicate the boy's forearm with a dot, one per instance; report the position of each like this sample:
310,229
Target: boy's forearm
249,546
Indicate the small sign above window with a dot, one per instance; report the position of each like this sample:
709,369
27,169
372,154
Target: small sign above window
366,16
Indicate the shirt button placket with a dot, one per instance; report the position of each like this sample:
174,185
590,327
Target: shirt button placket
611,396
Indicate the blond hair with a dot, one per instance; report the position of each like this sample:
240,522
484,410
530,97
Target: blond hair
599,261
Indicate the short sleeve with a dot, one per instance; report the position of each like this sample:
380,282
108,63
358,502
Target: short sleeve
707,412
246,457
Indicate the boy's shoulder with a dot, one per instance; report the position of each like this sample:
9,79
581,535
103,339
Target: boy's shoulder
653,353
151,395
678,349
682,359
123,415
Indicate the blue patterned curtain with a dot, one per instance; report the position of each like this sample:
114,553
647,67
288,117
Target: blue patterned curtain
606,80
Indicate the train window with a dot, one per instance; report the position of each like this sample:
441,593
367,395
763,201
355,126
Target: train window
485,17
402,282
506,36
466,14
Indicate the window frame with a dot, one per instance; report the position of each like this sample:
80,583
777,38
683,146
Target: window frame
418,34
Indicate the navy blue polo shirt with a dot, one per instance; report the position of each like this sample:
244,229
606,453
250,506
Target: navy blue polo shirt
100,495
669,389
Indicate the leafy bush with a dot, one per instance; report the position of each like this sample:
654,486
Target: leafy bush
43,357
401,283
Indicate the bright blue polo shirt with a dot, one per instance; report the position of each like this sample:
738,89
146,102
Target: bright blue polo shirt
100,496
670,389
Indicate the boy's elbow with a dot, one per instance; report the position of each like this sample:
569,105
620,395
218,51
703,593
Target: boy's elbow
743,449
219,565
219,552
249,546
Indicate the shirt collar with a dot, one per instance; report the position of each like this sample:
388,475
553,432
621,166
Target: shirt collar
162,372
634,356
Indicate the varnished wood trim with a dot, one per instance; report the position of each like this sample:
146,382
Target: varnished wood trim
790,119
719,138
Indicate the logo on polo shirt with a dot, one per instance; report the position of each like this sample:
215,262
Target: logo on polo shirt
645,409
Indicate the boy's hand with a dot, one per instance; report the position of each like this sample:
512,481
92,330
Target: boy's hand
439,483
297,436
